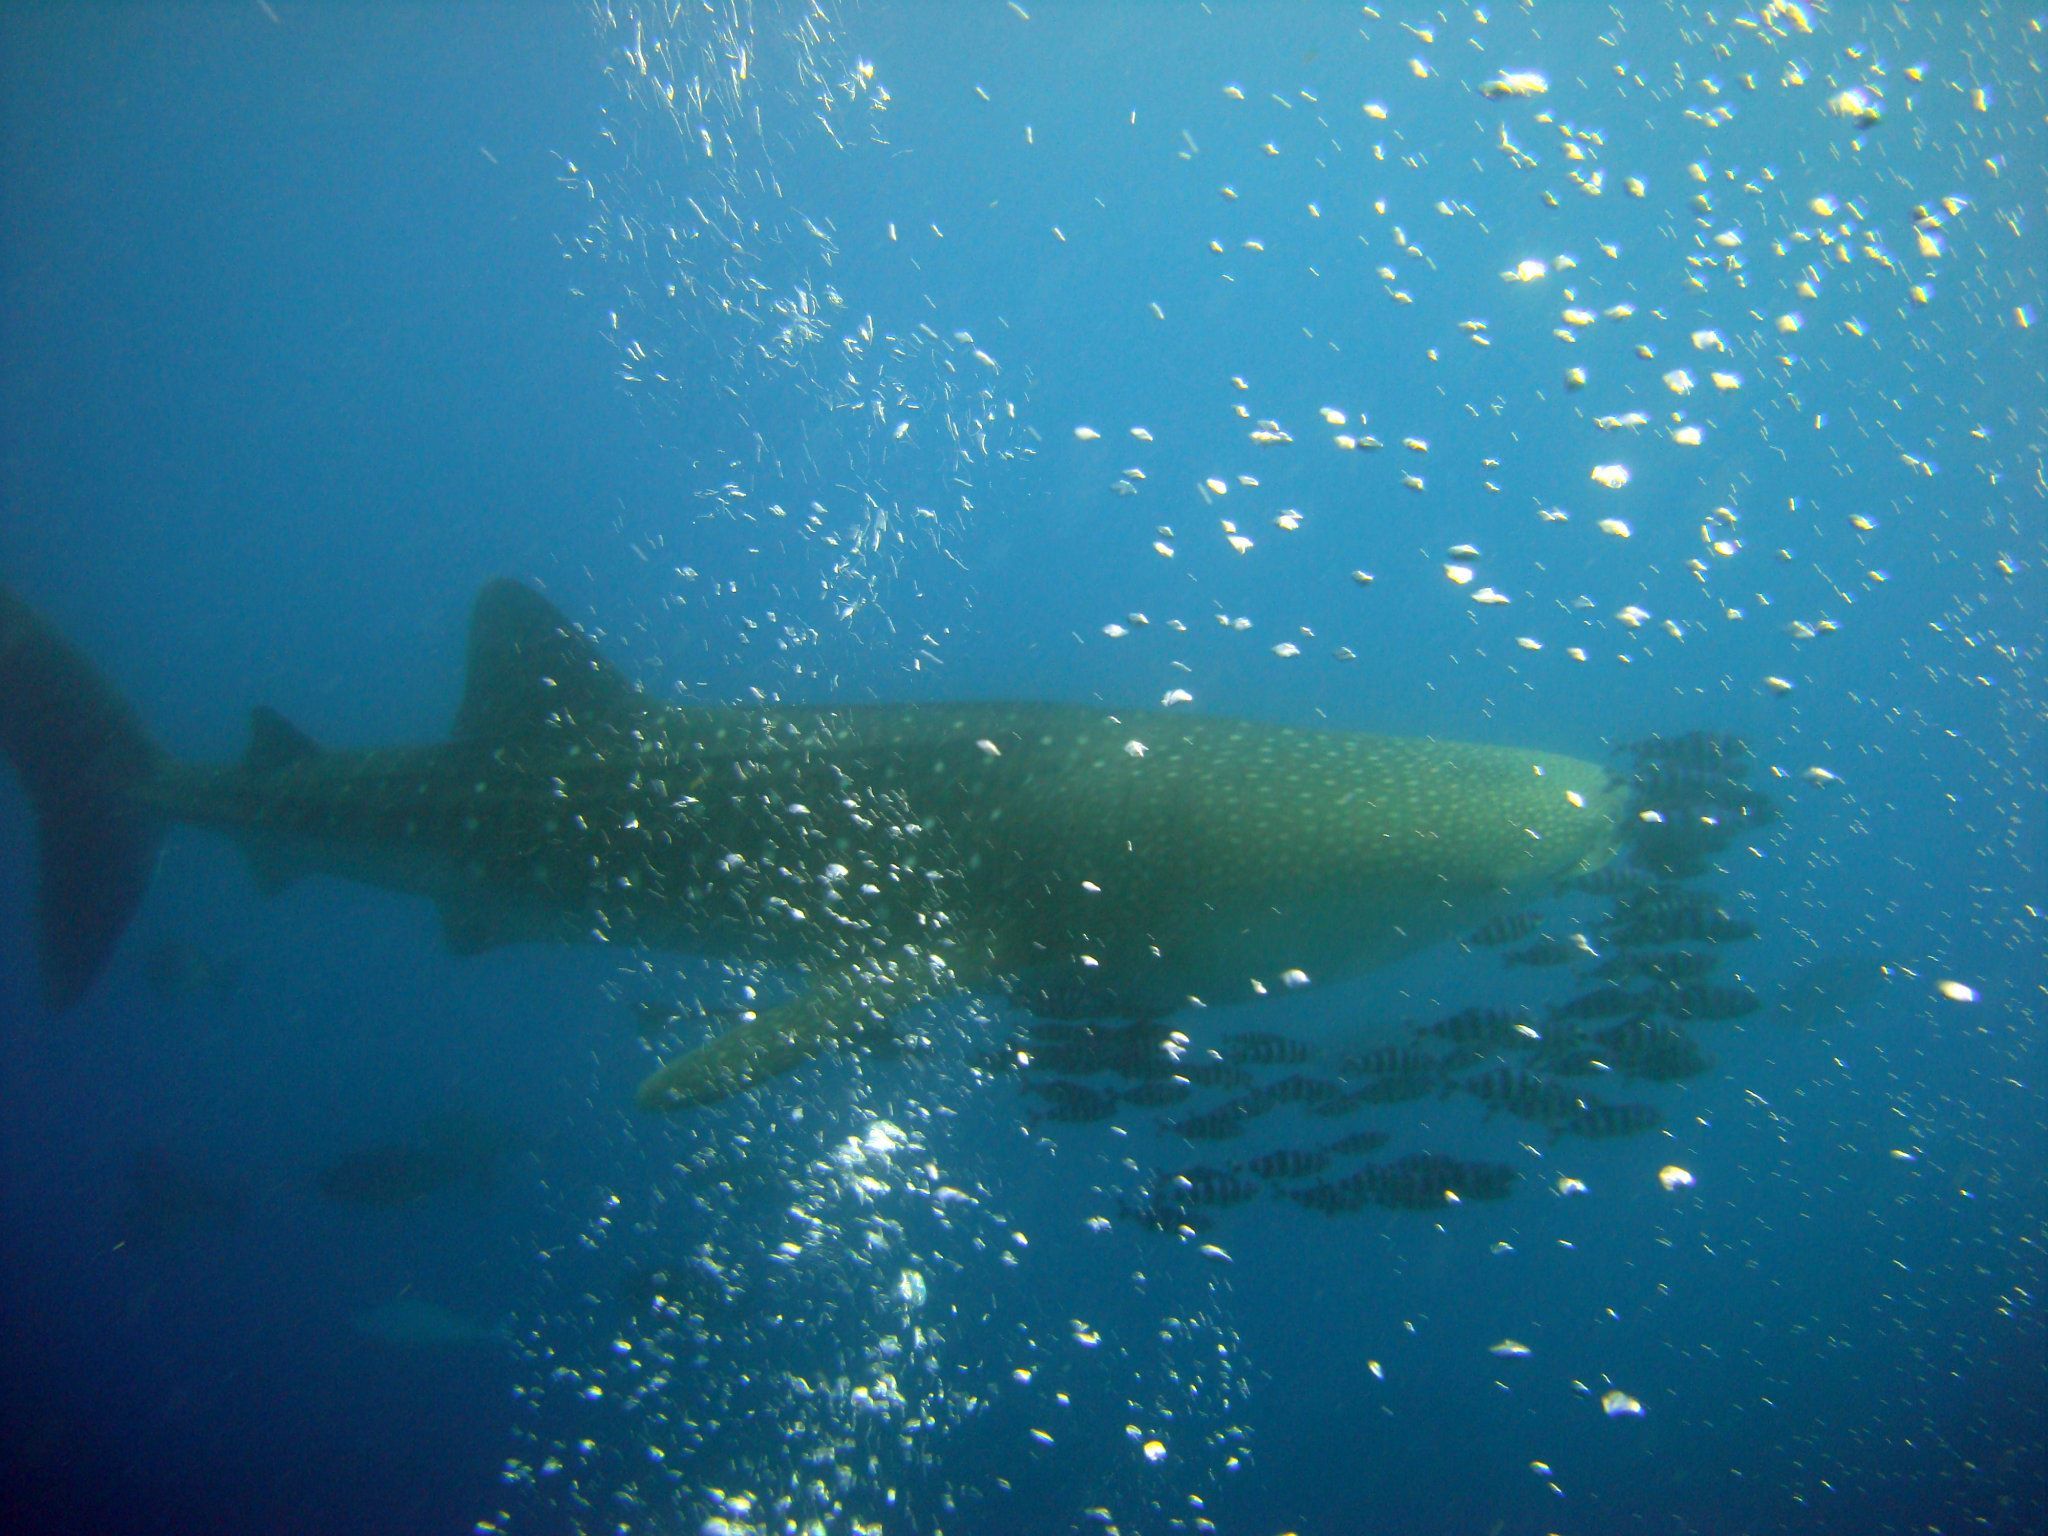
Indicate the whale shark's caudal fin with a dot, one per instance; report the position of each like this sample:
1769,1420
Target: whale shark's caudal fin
82,755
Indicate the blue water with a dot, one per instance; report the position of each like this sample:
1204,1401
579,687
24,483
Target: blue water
319,316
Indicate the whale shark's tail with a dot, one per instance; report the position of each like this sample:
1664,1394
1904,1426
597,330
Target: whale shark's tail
82,755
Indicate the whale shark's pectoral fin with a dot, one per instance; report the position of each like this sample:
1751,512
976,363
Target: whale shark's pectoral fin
835,1011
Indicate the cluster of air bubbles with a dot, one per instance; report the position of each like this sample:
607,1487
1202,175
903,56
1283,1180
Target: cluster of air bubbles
722,294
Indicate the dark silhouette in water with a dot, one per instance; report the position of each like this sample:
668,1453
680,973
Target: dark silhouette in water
890,855
413,1322
454,1151
170,1197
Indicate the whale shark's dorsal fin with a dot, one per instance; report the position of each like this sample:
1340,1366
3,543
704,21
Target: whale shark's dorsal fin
530,668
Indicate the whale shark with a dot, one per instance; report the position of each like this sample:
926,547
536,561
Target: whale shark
1077,860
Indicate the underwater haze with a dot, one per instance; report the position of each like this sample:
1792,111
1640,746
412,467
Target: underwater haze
1353,416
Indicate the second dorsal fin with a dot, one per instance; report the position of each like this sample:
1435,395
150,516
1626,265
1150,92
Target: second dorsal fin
528,667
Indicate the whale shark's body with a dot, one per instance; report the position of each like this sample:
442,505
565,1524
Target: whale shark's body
1082,861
